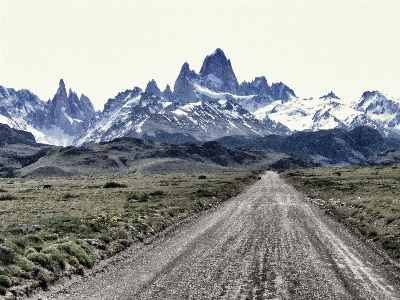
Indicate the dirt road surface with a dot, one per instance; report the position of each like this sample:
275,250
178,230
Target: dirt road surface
266,243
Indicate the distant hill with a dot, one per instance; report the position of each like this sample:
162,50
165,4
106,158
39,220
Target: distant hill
21,156
132,155
327,147
14,136
18,149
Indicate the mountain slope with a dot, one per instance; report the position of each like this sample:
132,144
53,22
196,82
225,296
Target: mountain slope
55,122
131,155
327,147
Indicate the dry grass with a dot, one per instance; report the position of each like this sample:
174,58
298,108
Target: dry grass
100,216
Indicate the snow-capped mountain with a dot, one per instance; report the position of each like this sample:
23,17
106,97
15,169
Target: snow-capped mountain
202,106
166,116
56,121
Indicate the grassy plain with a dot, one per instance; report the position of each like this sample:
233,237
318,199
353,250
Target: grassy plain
46,233
366,198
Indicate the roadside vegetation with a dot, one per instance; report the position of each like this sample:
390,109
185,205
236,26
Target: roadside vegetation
48,233
365,198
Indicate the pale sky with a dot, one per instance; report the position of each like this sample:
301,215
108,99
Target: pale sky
101,48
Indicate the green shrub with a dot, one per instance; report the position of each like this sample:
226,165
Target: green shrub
5,281
21,242
7,197
67,196
7,255
25,275
138,198
120,234
73,261
57,262
158,193
38,257
33,238
74,249
44,279
112,184
205,193
3,290
106,239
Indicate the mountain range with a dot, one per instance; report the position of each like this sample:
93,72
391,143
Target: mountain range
202,106
21,156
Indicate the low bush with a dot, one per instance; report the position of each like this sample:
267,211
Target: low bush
73,261
5,281
57,262
7,255
67,196
7,197
3,290
112,184
74,249
39,258
205,193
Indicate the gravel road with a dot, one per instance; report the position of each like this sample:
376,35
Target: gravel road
266,243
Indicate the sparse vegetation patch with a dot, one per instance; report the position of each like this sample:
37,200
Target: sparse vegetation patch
47,233
112,184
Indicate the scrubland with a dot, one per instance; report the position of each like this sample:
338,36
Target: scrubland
48,233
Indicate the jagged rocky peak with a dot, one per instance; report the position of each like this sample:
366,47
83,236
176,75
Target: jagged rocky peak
152,88
377,103
168,94
368,98
68,112
61,91
372,93
57,105
259,86
120,99
217,74
329,96
183,88
282,92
